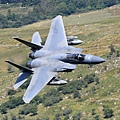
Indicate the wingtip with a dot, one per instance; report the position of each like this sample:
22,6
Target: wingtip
26,100
57,17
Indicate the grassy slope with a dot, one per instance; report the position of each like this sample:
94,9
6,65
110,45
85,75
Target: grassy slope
15,8
98,30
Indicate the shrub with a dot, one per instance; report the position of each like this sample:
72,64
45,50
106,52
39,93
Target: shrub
77,94
29,108
11,92
108,113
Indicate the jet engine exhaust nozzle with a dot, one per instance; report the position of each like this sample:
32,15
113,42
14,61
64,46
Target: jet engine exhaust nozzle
29,64
31,55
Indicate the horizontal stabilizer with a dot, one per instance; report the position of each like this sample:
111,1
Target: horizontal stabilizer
23,76
24,69
29,44
21,79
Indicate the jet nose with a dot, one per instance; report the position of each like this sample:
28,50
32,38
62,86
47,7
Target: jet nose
96,60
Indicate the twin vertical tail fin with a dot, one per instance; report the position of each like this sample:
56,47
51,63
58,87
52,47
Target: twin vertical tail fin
23,76
35,44
36,39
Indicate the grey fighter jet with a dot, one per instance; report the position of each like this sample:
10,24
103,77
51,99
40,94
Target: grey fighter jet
55,56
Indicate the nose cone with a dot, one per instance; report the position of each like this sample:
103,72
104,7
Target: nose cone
97,60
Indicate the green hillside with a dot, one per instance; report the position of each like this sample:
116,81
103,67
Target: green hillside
92,92
17,13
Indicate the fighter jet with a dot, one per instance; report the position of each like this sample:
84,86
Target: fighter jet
73,40
55,56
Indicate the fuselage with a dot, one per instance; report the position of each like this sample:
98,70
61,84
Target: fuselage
62,57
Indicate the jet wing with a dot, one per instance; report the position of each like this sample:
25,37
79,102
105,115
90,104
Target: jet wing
41,76
56,37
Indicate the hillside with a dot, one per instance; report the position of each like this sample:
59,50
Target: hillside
17,13
100,32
